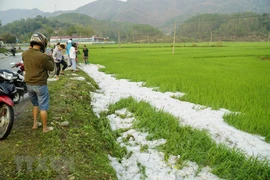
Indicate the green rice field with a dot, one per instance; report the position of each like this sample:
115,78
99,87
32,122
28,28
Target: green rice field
234,76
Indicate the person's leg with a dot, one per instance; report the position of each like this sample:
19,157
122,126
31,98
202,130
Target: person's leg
44,116
43,99
69,61
63,62
58,70
73,66
35,114
34,100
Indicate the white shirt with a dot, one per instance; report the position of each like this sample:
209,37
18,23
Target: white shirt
72,52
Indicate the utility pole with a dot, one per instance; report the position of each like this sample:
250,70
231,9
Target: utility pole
119,43
133,36
250,4
211,38
174,37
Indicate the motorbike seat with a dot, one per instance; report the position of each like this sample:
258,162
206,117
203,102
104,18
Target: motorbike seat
7,89
8,71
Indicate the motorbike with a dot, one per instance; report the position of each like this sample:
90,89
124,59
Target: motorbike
17,79
7,93
19,65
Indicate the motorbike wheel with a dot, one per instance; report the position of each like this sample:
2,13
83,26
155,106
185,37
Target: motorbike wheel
6,120
17,98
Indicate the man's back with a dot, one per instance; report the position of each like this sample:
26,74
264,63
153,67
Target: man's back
36,65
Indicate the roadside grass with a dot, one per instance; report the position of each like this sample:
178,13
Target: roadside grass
3,50
191,144
79,151
230,76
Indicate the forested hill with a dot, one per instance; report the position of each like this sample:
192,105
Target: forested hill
206,27
22,29
106,28
159,12
72,24
226,27
153,12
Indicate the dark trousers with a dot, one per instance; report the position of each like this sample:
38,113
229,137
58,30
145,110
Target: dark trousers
58,66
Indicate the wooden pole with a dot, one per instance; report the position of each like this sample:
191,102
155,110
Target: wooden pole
119,39
174,37
133,36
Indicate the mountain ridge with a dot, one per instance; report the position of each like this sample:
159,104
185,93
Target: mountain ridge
153,12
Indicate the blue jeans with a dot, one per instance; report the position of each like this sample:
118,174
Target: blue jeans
39,96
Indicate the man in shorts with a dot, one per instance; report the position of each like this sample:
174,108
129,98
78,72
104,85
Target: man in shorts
36,65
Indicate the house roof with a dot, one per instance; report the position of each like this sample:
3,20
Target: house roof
75,37
67,37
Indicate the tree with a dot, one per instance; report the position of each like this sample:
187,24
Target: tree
71,30
48,30
244,26
9,38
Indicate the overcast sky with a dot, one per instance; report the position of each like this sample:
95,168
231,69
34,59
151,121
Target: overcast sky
43,5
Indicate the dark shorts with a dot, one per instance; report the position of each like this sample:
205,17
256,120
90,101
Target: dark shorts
39,96
85,57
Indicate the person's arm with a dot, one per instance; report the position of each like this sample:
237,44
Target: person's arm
49,63
54,54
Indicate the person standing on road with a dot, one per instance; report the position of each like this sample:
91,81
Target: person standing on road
36,65
85,54
59,59
13,50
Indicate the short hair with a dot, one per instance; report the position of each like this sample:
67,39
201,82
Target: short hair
63,46
58,43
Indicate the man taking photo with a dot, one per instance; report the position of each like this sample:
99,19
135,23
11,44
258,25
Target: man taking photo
36,65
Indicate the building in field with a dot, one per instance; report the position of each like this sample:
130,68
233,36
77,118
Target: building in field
80,40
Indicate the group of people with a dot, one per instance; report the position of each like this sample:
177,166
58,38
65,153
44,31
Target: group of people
38,60
71,54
